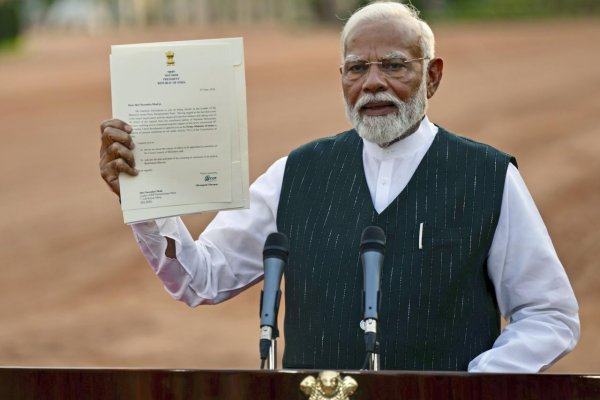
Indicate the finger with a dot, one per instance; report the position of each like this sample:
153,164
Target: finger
112,168
121,166
115,123
110,173
115,130
111,134
117,150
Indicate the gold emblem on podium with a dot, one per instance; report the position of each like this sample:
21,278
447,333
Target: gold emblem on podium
170,57
328,385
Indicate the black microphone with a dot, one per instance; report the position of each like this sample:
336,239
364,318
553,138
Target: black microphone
275,256
372,247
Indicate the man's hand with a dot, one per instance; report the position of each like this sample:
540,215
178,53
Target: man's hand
115,152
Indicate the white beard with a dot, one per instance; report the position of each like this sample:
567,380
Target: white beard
386,128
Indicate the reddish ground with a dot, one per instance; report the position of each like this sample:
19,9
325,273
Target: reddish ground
75,289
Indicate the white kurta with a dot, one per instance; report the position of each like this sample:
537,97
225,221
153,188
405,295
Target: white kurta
532,288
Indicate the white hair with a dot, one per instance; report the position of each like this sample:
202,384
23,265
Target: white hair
381,10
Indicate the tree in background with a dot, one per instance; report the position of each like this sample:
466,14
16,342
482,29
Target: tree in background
324,10
149,12
517,8
10,22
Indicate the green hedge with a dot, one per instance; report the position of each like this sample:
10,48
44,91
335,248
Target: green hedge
477,9
10,20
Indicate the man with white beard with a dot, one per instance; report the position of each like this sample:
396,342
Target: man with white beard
465,242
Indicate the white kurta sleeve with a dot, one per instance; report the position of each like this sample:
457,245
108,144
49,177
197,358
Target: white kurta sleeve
226,258
532,288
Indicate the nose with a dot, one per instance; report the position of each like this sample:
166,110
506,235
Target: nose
374,80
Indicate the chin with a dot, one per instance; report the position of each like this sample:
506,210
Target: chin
380,129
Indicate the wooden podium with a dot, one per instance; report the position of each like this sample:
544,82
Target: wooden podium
149,384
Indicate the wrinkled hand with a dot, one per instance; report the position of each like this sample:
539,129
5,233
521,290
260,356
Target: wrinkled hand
115,152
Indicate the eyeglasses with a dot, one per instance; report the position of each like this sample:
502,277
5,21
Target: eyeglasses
396,68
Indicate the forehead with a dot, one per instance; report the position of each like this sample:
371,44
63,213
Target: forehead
375,39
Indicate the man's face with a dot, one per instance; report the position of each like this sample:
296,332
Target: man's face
380,107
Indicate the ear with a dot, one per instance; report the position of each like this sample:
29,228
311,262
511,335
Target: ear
434,75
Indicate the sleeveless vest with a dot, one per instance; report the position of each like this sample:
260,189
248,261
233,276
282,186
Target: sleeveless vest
438,309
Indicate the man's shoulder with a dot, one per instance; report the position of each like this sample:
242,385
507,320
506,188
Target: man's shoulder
317,146
471,144
463,140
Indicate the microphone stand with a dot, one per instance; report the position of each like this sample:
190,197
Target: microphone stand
372,344
267,338
272,360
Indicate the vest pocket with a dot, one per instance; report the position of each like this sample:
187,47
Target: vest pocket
432,237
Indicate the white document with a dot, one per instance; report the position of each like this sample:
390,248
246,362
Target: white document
186,102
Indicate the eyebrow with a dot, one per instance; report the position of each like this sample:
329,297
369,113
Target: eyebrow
394,54
388,56
353,58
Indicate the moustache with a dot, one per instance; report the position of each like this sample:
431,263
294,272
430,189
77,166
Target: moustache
377,98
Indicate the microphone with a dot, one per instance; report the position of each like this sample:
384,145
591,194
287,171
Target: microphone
372,247
275,256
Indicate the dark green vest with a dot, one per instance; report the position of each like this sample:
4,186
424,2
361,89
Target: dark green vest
438,308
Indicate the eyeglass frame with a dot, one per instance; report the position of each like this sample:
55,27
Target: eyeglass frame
378,62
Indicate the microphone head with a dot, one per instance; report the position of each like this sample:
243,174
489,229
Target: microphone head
372,238
277,245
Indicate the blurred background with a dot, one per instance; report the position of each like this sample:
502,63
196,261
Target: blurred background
521,75
95,14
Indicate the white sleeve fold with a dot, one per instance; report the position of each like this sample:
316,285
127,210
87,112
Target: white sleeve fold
226,258
532,288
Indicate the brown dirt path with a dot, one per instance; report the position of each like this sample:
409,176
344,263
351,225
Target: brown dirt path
76,291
